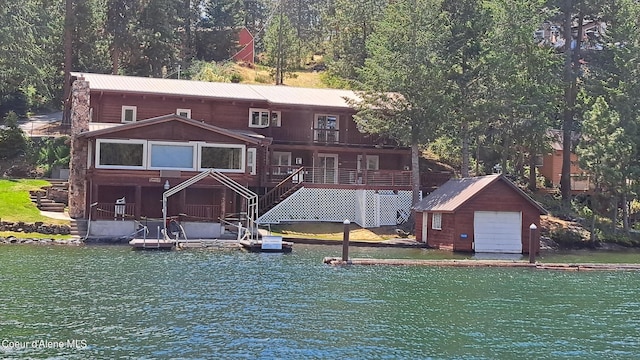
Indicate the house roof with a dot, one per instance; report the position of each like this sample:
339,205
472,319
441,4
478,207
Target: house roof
243,135
557,137
277,95
455,192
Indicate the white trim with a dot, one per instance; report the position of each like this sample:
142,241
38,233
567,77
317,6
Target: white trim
243,156
260,117
317,129
275,121
324,170
187,111
121,141
425,226
125,108
194,155
251,161
436,221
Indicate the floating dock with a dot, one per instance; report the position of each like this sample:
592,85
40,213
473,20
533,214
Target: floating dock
483,263
152,244
258,246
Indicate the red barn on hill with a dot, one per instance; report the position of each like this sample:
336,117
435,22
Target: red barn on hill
246,45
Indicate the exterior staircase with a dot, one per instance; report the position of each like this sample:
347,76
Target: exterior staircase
78,228
44,198
280,192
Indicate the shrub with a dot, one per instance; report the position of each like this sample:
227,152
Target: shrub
569,239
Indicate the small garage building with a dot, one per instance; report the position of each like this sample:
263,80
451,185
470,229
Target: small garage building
480,214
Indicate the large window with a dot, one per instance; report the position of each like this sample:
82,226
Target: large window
129,114
171,156
258,118
187,156
121,154
222,157
326,128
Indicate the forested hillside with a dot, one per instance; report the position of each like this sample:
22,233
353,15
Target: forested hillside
476,83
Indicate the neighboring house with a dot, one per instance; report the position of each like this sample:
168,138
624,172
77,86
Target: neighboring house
298,149
551,166
481,214
246,52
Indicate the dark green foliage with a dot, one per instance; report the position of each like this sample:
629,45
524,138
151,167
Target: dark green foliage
51,153
12,141
569,239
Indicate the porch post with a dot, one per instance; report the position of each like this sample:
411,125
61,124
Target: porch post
316,160
137,211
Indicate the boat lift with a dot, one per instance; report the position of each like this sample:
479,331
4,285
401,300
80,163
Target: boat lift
250,196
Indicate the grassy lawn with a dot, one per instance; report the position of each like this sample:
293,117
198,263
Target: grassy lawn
262,75
21,235
333,231
15,204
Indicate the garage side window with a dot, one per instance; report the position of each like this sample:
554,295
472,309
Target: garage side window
436,221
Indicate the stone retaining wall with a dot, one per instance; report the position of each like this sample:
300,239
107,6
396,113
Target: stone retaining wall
37,227
14,240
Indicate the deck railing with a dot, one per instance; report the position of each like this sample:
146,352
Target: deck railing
342,176
110,211
202,212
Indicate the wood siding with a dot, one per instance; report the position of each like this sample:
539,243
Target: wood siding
551,167
297,124
496,197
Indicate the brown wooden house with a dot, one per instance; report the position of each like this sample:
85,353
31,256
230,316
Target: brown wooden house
551,166
298,149
481,214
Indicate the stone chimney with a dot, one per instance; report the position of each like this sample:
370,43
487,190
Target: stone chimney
80,113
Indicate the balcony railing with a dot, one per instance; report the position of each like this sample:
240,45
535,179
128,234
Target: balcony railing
341,176
581,182
329,136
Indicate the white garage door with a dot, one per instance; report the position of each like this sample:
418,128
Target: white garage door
497,231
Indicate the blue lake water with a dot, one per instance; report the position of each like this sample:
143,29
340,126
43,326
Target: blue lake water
101,302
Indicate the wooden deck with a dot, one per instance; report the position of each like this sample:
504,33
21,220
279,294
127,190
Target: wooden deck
152,244
483,263
256,246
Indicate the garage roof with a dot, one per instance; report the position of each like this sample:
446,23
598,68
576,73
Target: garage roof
455,192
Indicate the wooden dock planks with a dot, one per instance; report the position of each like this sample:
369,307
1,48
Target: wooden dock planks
335,261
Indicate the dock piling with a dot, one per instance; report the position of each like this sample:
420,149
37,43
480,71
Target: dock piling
345,241
532,243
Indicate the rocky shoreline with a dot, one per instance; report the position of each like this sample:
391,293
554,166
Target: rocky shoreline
12,240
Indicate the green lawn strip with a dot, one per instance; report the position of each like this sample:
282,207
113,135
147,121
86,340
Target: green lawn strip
15,204
326,231
22,235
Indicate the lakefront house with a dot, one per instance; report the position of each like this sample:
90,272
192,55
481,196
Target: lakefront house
298,150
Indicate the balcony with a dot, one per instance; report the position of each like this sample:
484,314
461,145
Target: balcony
342,176
328,136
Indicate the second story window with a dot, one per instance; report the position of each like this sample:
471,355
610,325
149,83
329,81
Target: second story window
275,119
325,128
128,114
258,118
